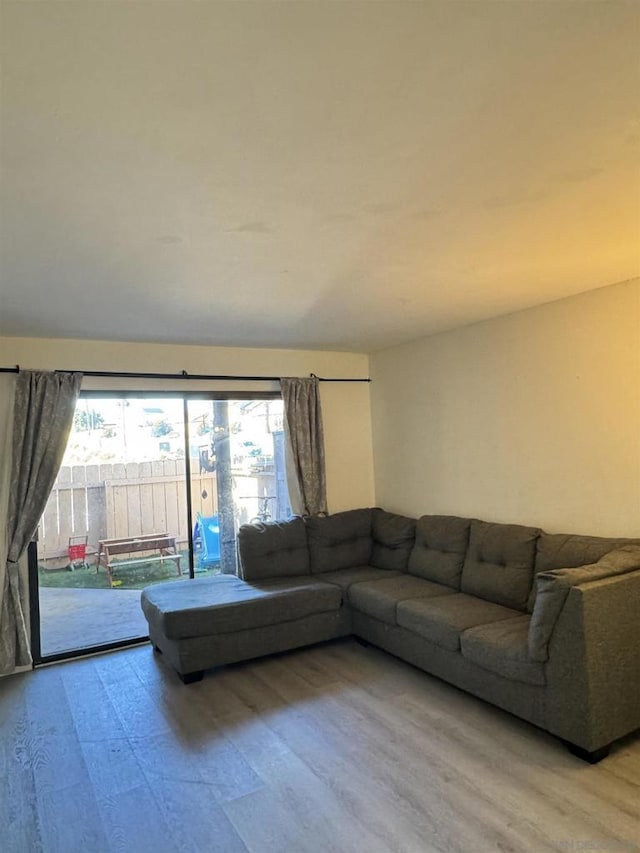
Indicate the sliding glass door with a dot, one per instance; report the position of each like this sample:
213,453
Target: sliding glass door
152,489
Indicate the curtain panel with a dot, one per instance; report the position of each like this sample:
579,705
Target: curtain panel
43,414
304,446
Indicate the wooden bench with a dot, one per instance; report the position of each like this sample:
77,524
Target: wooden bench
162,543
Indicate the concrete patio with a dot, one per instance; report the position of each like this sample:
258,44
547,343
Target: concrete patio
81,618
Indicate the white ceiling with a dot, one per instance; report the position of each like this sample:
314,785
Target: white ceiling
333,175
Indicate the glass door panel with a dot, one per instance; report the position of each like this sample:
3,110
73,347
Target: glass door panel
116,521
237,474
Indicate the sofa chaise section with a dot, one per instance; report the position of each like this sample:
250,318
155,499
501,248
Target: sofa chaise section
209,622
274,606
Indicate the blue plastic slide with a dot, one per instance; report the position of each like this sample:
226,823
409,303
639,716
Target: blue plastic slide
207,531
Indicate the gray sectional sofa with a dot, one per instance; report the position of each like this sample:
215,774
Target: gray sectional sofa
546,626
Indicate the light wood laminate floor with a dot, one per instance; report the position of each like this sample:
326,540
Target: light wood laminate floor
332,748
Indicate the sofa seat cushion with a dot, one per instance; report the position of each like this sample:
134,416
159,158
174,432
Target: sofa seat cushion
440,547
345,578
499,563
441,620
502,647
393,538
379,598
339,541
225,603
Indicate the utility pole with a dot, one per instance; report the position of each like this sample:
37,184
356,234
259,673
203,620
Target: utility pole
220,446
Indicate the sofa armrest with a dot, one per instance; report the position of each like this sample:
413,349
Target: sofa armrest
593,672
553,587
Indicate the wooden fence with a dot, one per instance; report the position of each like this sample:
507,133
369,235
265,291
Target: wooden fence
113,501
109,501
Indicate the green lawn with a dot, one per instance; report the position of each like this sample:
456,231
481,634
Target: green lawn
129,577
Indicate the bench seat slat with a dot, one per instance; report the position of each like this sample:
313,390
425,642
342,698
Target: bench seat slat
132,545
175,557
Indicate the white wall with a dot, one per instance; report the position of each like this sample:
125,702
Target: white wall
531,418
346,406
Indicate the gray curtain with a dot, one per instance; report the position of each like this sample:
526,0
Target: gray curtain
43,414
304,446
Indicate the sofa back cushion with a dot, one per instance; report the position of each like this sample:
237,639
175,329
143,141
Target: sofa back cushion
440,548
499,563
568,551
339,541
393,538
273,550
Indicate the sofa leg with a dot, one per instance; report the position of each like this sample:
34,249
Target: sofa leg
157,649
191,677
592,757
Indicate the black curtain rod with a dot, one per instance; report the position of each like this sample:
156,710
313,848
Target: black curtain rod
183,375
